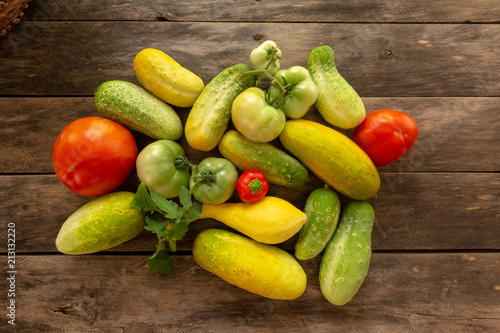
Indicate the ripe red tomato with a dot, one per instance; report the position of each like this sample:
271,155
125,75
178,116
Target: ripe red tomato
93,156
252,186
385,135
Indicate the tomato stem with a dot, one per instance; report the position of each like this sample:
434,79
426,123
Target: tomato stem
276,102
205,178
272,57
181,163
256,72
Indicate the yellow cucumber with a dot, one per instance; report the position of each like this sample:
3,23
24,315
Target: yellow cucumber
100,224
270,220
210,115
333,157
262,269
167,79
278,167
338,102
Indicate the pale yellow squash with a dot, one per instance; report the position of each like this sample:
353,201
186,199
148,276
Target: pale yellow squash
270,220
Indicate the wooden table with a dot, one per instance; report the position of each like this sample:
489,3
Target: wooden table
436,262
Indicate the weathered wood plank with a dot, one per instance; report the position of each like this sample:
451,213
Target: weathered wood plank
484,11
414,211
376,59
456,134
402,292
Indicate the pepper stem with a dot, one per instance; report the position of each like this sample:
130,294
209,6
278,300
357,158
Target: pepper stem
255,186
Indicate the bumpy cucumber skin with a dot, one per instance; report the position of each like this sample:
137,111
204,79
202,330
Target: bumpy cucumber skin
210,115
262,269
323,210
333,157
346,258
277,166
101,224
137,109
338,102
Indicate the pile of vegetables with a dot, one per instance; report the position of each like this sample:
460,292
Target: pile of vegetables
94,155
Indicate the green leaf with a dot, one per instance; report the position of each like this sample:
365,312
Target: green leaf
178,231
142,200
285,83
161,262
157,226
168,207
172,229
291,86
193,213
185,197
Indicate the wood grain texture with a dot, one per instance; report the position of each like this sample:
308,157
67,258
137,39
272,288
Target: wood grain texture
413,211
402,292
447,11
436,239
456,134
378,60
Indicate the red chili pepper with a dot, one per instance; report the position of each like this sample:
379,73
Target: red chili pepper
252,186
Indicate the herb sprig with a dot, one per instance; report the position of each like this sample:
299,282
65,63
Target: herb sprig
168,221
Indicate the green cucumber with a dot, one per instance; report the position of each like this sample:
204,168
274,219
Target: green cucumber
100,224
138,110
346,258
210,115
323,210
259,268
278,167
338,102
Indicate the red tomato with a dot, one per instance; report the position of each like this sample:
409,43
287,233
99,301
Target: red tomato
385,135
252,186
93,155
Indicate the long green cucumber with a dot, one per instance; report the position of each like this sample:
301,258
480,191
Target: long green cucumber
279,167
100,224
333,157
323,210
338,102
210,115
259,268
137,109
346,258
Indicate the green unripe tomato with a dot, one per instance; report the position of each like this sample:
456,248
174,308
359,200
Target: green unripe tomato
301,92
255,118
266,56
163,167
213,180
